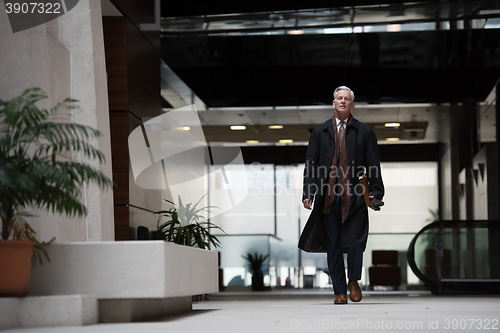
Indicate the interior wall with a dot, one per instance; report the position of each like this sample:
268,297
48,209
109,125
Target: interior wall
460,144
65,58
144,102
448,166
411,194
119,134
485,173
481,189
133,69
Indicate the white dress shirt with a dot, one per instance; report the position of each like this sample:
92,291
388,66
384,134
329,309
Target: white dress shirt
343,122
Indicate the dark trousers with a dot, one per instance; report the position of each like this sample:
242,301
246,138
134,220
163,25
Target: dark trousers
335,256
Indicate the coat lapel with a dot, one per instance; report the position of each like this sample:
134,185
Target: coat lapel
329,127
351,144
351,136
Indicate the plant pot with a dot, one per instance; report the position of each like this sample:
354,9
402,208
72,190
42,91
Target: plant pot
15,267
257,283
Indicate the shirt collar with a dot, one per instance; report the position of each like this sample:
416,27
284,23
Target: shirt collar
338,121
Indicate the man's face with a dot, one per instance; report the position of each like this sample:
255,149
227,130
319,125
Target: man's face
343,103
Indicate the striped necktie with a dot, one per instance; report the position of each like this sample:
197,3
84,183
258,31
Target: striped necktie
341,136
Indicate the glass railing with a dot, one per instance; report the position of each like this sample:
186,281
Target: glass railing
456,251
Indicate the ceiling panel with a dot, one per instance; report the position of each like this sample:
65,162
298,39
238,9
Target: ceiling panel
285,70
273,77
275,117
298,122
217,117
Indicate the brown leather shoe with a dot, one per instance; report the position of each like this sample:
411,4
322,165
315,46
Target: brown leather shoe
355,291
340,299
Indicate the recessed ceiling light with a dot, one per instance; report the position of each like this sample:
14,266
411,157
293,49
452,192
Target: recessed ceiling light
252,141
185,128
296,32
275,126
392,124
392,139
286,141
238,128
393,27
337,30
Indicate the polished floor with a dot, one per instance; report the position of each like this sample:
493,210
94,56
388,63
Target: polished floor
314,311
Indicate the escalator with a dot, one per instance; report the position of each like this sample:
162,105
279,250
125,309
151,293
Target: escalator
458,257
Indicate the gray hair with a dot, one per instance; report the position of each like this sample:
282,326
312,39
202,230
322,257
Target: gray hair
343,88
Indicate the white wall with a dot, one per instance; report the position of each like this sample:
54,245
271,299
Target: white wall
411,190
255,213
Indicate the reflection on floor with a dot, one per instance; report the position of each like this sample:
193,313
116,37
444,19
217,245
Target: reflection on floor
313,310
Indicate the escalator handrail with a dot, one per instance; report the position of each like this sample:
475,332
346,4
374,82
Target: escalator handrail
443,224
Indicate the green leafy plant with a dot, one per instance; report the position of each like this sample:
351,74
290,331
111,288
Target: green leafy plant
255,266
434,215
255,263
21,230
32,172
186,225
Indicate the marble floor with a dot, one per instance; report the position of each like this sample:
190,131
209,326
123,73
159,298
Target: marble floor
313,311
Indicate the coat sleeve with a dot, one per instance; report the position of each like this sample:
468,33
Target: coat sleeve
310,185
373,166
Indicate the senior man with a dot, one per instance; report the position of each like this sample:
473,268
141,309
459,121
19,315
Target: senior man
340,150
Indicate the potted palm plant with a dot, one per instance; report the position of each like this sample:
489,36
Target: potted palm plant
186,225
255,265
34,175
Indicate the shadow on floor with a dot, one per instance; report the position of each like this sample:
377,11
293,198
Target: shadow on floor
178,316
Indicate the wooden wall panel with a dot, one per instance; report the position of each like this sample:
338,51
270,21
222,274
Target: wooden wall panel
122,231
119,124
144,75
134,88
138,12
120,159
115,45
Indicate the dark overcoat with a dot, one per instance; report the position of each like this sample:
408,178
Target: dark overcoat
362,156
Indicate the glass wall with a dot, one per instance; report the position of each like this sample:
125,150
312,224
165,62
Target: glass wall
255,215
271,218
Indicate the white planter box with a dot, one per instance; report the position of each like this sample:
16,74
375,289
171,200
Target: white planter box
41,311
126,270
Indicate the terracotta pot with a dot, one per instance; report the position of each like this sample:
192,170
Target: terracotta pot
15,267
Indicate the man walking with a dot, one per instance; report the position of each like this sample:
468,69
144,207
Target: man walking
339,151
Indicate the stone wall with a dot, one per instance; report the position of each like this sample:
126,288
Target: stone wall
65,57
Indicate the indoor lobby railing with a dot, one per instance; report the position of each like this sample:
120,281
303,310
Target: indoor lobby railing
458,257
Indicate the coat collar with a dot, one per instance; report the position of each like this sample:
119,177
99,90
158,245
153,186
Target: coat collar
328,126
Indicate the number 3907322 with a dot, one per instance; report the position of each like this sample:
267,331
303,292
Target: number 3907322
33,8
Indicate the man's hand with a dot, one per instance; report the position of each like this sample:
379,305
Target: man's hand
307,203
375,203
